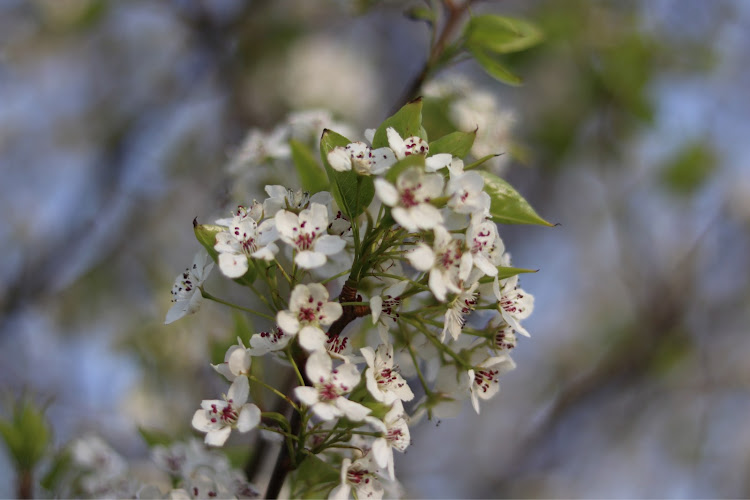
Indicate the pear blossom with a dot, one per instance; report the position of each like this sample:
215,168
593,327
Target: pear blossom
307,233
218,417
504,337
483,378
265,342
384,308
449,265
186,294
360,475
383,380
329,385
362,158
308,310
236,362
459,307
467,195
281,198
259,146
410,198
245,239
485,245
395,429
416,145
514,303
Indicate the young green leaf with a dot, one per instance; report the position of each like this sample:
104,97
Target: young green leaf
352,192
407,121
507,205
505,273
312,177
480,161
456,143
501,35
493,67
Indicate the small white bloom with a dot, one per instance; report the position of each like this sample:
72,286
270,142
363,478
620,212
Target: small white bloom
449,265
362,158
259,146
265,342
467,195
308,309
360,475
484,377
307,233
385,308
505,337
281,198
218,417
236,362
416,145
514,303
458,308
410,198
485,245
186,295
396,435
326,396
383,380
242,240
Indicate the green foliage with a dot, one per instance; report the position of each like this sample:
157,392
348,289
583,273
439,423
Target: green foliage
500,35
155,437
311,474
505,273
507,205
26,434
206,236
456,143
352,192
407,121
689,168
311,176
494,68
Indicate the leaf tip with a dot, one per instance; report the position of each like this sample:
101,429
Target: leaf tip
195,222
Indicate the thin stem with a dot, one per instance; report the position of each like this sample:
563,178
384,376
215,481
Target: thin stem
274,390
208,296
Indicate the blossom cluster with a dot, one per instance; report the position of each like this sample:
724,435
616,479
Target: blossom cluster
406,223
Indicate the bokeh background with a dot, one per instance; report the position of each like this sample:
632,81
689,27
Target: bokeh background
632,131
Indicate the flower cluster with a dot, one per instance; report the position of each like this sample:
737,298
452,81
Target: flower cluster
406,223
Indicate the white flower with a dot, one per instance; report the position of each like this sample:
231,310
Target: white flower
265,342
326,397
396,435
242,240
236,362
289,199
186,296
416,145
218,417
448,263
383,380
361,157
483,378
459,307
384,308
308,309
307,233
485,245
514,303
410,198
259,146
467,195
505,337
360,475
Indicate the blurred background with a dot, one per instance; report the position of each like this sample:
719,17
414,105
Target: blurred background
122,121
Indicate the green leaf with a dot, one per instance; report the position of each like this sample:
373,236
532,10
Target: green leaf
477,163
420,13
457,144
27,435
407,121
494,68
689,168
206,236
501,35
352,192
312,473
507,205
402,165
311,176
505,273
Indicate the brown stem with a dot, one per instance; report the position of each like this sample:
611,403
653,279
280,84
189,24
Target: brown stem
283,461
25,484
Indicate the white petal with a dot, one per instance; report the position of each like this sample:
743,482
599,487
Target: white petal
437,285
177,311
426,216
233,265
370,134
438,161
421,258
306,395
396,142
331,311
382,452
267,253
329,245
307,259
404,217
353,411
326,411
319,367
239,391
386,191
340,159
287,223
287,322
376,307
201,422
312,338
340,492
218,437
249,418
